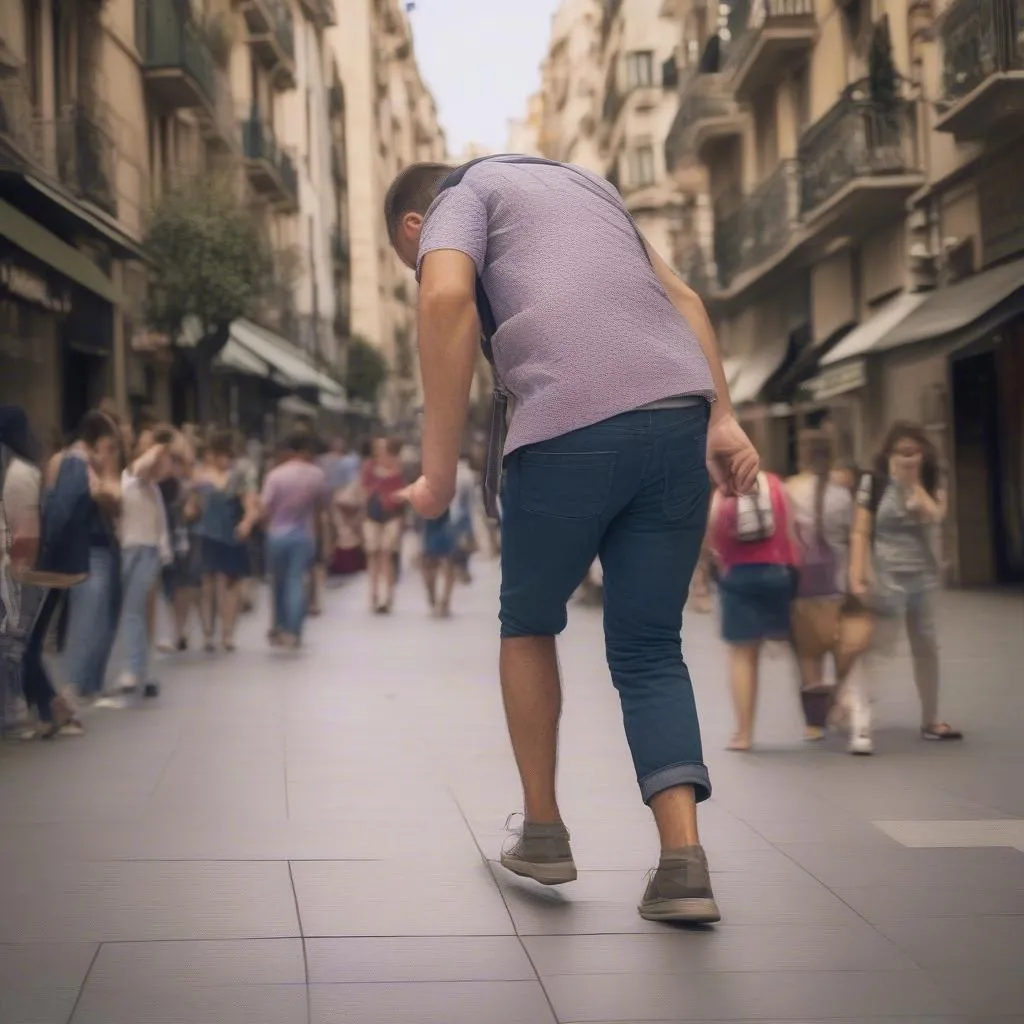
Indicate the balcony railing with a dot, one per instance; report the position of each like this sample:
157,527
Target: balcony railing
274,168
769,32
73,149
759,225
981,38
856,139
271,30
173,45
705,99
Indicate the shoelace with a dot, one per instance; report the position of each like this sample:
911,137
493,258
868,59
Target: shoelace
515,834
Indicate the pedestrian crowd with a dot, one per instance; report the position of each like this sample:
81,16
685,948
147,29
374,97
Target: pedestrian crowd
127,516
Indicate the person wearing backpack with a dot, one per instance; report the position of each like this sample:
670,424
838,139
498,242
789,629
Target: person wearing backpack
753,546
822,516
895,570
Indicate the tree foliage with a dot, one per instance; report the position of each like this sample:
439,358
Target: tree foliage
883,79
212,262
367,370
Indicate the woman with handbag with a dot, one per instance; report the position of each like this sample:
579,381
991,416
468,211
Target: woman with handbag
822,516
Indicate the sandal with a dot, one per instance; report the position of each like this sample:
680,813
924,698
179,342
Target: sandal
940,731
739,745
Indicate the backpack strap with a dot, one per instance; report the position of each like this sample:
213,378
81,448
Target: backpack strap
488,323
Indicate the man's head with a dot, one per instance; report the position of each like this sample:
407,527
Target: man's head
100,436
299,445
406,204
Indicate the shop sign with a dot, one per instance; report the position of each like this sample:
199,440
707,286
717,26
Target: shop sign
31,287
838,380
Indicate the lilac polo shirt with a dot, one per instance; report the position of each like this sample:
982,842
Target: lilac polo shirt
585,329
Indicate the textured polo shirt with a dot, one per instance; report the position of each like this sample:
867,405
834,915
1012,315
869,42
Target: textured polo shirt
586,330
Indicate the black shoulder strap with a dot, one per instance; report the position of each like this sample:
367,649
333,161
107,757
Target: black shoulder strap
488,324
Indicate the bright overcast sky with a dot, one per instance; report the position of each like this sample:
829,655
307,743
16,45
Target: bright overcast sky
481,59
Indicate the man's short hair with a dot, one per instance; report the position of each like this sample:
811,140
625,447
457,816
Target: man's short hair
300,442
412,192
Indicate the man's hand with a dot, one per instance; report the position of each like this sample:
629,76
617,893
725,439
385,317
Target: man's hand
733,461
427,501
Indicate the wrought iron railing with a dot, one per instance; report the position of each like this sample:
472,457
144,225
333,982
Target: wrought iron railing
758,16
284,27
20,141
167,40
86,158
857,138
704,96
260,143
981,38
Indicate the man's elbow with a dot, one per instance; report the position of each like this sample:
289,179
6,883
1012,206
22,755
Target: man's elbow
446,297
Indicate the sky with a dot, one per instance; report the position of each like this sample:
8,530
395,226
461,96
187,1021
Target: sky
481,59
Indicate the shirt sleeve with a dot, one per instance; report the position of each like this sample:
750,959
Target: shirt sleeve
269,496
21,500
457,220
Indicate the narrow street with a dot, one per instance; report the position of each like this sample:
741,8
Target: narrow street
283,839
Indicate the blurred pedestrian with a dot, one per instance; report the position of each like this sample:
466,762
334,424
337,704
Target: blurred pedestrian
822,517
752,542
894,566
383,485
612,369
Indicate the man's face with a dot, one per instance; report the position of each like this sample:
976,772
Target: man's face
104,454
407,239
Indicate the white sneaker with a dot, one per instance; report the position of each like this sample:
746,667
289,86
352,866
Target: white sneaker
860,743
127,683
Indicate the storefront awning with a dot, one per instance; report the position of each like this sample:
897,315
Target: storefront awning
757,368
282,356
965,305
297,407
47,248
868,335
239,359
333,403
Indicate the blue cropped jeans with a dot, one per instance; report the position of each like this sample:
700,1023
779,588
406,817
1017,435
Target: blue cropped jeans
633,491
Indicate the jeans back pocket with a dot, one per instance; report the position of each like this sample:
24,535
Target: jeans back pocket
564,485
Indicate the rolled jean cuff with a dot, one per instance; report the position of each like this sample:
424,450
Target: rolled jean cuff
686,773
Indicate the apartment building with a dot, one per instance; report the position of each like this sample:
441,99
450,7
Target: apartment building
391,122
865,260
104,112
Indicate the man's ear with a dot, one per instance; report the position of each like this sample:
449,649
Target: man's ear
412,223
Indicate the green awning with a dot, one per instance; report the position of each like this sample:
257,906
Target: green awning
46,247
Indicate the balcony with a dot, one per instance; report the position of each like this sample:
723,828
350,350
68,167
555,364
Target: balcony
780,31
320,12
696,267
751,236
859,165
707,112
983,67
271,170
177,65
272,38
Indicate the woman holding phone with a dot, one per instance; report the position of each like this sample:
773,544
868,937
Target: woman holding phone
893,564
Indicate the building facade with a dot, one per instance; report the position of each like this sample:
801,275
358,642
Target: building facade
391,122
865,261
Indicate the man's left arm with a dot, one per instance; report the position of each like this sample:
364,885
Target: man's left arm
449,337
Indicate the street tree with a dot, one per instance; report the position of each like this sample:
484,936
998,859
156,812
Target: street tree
211,265
367,370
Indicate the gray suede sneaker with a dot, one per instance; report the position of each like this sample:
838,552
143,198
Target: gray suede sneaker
541,852
680,889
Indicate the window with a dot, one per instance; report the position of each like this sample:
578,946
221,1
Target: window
639,69
33,51
641,165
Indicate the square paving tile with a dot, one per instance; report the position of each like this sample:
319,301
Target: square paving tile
193,1004
136,901
756,948
433,958
960,898
603,902
45,965
985,990
753,996
494,1002
986,943
202,963
397,898
36,1005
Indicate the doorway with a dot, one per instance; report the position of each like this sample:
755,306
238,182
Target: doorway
84,384
988,541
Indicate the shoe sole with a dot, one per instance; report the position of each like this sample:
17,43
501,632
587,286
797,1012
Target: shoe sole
557,873
687,911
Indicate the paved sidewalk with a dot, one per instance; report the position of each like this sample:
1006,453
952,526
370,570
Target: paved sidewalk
310,838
